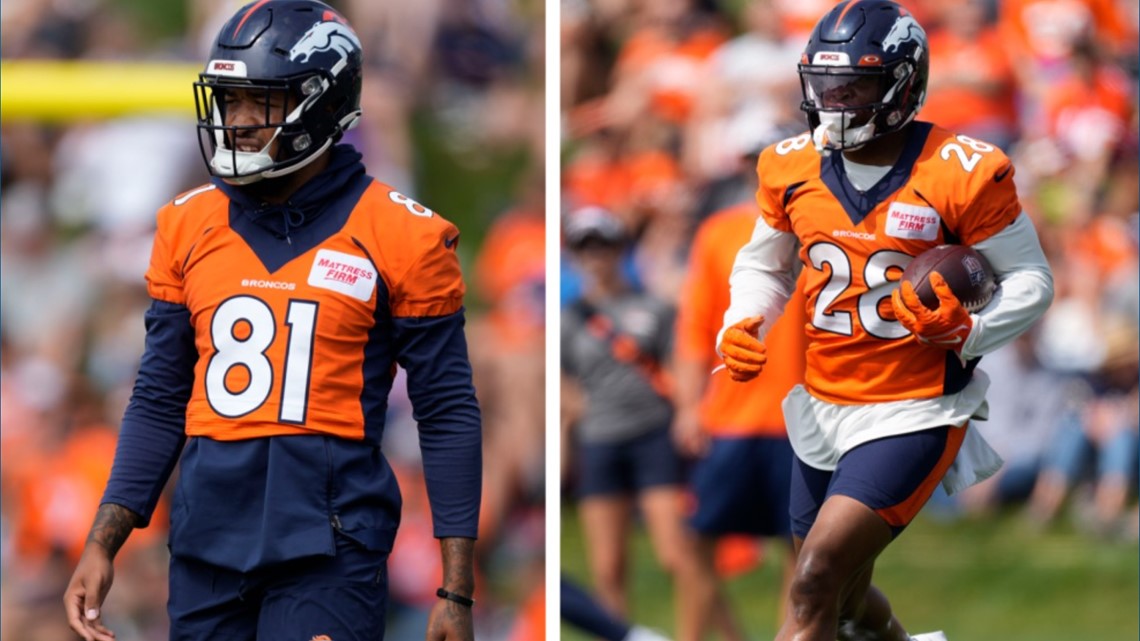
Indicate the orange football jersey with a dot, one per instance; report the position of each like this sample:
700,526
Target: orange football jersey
729,408
283,350
854,245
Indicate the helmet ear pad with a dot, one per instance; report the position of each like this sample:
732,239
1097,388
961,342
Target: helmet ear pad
303,47
338,108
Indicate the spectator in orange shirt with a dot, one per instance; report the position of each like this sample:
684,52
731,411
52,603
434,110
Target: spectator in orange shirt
507,352
659,66
627,172
1046,31
58,482
972,85
635,175
1089,115
748,88
1041,36
1089,111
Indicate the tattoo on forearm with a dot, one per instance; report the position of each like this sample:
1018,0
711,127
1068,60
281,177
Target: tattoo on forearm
458,564
113,523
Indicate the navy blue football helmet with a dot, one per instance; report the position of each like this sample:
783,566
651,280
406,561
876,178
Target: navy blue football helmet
302,54
863,73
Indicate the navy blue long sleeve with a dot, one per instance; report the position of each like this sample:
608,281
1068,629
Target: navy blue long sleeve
153,429
433,351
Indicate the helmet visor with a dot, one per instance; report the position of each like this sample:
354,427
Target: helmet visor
843,87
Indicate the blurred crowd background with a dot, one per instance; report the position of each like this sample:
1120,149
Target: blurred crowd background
453,116
665,104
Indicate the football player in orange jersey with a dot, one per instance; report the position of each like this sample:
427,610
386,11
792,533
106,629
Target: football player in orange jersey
285,293
890,386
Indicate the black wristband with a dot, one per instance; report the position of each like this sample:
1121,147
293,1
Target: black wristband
452,596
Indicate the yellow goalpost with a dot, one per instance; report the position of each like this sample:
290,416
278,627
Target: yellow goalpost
67,91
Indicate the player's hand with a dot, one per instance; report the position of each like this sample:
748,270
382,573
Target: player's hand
946,327
744,354
688,435
450,621
83,599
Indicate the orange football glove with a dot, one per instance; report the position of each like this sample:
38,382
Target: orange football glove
946,327
744,354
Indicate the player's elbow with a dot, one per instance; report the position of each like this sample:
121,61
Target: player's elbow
1031,287
1043,289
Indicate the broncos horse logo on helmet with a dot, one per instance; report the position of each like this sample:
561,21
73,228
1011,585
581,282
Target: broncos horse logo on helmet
905,29
325,36
863,43
301,51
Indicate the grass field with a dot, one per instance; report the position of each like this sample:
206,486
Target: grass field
991,580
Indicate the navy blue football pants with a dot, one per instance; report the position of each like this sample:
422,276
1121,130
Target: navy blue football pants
894,476
325,598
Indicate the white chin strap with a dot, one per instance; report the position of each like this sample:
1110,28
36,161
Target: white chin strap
248,166
253,166
833,133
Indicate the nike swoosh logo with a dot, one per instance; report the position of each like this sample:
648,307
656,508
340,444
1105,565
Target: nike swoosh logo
451,242
952,337
998,177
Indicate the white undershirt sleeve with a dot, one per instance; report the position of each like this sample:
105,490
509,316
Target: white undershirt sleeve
763,277
1025,288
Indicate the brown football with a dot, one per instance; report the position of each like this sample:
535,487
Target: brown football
967,273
